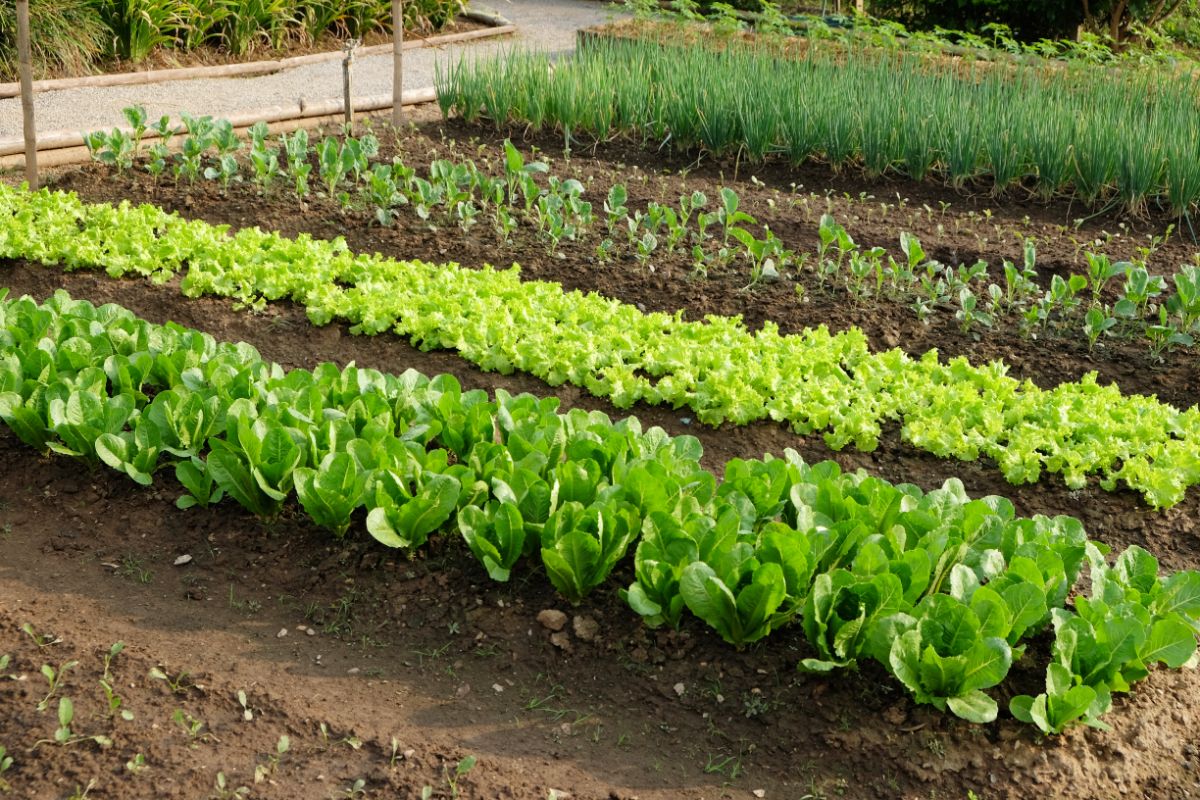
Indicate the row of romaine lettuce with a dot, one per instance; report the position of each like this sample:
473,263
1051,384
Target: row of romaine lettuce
815,381
940,589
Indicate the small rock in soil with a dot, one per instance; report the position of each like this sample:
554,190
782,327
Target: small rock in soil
282,633
680,689
759,793
585,627
552,619
184,559
561,640
463,690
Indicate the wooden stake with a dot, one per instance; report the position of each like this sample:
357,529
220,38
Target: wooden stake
26,66
347,92
397,61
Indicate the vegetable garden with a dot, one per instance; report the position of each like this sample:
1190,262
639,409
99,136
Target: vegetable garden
809,451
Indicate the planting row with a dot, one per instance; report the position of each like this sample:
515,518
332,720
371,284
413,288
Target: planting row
941,589
815,381
712,233
1125,140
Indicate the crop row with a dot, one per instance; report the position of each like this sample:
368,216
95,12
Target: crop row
1128,140
816,381
940,589
714,233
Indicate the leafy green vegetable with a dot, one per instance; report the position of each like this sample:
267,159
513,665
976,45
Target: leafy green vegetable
331,492
947,659
496,535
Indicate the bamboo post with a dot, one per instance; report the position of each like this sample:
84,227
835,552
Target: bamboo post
347,93
397,61
26,67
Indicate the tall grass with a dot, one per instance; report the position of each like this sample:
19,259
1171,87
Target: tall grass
1130,137
65,35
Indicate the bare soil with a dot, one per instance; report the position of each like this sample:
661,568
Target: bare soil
430,654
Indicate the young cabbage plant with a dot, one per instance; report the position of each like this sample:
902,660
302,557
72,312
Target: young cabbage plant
137,118
615,209
1097,323
728,214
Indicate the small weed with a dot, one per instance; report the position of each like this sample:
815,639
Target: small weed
935,745
246,606
432,655
489,650
132,568
755,704
136,765
730,766
342,614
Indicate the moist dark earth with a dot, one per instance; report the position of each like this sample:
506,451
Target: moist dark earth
415,665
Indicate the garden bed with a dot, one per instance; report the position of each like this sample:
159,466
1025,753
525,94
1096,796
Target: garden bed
627,713
415,649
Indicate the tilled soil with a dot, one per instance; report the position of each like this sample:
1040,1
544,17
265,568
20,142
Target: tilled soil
955,228
414,665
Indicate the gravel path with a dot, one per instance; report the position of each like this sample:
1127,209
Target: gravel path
541,24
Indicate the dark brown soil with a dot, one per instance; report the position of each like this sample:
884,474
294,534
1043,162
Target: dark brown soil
959,233
450,664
